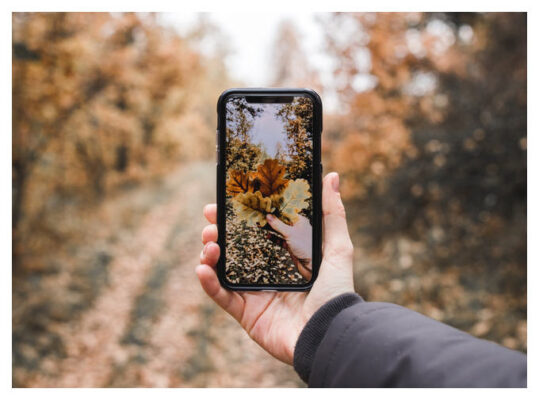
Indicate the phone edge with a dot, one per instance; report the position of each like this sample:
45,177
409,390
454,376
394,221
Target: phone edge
317,186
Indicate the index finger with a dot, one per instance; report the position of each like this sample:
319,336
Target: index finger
210,212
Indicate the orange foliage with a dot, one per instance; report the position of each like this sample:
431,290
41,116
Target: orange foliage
101,100
373,132
271,177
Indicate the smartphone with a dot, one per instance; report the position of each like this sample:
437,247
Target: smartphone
269,181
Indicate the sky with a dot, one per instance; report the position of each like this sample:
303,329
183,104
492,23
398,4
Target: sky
268,129
250,38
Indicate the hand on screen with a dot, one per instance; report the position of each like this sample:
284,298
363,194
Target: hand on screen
275,319
299,239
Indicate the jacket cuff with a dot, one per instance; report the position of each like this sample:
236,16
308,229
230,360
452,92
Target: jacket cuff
314,331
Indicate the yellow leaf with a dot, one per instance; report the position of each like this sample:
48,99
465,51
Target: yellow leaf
252,208
294,199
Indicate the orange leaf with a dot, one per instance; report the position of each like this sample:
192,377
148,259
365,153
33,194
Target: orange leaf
239,182
270,176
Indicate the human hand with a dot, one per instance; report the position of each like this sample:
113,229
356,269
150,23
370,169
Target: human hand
299,239
275,319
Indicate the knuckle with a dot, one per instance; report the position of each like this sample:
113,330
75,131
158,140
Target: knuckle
339,250
338,211
348,248
343,248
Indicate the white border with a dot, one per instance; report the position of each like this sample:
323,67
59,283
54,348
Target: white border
245,6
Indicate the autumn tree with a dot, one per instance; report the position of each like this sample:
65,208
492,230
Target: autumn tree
240,117
298,124
432,137
373,72
290,61
99,100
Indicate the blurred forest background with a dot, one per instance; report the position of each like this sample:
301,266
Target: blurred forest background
113,158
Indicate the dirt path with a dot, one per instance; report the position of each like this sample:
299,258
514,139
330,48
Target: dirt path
150,323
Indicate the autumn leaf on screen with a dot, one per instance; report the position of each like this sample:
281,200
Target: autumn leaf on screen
293,199
271,177
240,182
267,191
252,208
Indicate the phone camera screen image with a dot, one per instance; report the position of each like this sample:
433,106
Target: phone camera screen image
269,186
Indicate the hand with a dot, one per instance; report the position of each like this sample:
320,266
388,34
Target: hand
275,319
299,242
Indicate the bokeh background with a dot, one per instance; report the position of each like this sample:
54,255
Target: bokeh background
113,158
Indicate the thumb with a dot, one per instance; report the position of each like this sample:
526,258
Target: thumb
336,237
278,225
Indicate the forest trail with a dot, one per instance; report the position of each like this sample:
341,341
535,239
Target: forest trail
148,323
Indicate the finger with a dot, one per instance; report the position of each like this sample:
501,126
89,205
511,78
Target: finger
278,225
210,254
336,237
209,234
305,272
210,212
229,301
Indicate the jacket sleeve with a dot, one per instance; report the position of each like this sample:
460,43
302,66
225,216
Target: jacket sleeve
352,343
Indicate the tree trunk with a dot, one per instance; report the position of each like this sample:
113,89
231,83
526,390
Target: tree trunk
19,189
19,194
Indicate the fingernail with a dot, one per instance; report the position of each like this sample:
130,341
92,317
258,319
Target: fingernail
270,217
335,183
204,249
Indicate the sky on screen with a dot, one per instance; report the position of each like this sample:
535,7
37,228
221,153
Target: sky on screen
268,130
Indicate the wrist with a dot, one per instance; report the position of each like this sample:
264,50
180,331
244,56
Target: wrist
293,339
315,329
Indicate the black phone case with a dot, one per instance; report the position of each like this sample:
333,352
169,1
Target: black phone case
316,184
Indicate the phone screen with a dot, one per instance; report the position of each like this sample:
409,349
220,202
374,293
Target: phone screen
269,204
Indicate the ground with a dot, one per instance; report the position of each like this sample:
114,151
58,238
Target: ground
132,313
118,304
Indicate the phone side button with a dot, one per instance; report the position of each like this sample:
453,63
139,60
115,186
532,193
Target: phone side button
217,146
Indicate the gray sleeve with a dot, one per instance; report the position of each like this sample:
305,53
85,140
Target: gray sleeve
385,345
